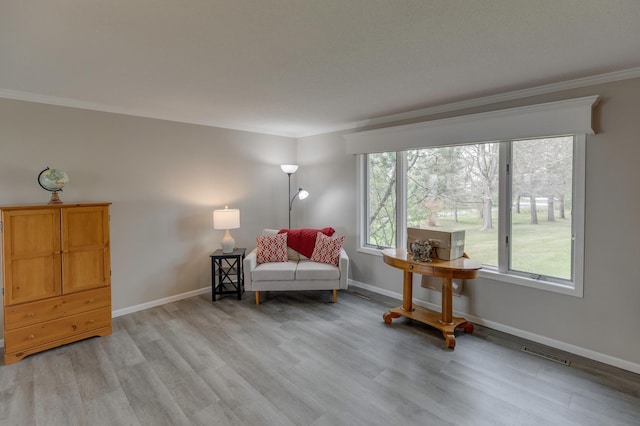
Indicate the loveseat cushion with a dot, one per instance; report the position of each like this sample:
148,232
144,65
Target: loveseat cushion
275,271
308,270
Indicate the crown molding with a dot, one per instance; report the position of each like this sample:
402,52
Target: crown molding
58,101
507,96
518,94
75,103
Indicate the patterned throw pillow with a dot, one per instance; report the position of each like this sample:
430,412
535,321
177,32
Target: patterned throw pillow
272,248
327,249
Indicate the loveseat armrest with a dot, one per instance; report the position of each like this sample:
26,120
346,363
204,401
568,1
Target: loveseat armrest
248,265
343,264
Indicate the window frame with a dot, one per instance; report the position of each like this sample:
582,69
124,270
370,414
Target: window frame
574,287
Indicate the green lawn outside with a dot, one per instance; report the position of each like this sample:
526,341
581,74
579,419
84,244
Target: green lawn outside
544,248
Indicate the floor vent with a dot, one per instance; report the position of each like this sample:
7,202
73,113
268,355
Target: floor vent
363,296
546,355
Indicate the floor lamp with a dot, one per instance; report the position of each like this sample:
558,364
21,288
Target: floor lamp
290,169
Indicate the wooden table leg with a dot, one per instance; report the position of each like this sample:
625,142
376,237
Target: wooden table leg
450,340
447,313
407,299
407,291
447,301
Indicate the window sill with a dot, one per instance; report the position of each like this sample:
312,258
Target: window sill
370,250
495,275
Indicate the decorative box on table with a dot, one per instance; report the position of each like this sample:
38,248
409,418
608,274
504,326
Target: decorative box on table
448,245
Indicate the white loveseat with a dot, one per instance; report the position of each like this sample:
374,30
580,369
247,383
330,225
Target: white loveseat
298,273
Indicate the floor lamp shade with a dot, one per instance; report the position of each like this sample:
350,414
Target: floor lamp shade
289,168
226,219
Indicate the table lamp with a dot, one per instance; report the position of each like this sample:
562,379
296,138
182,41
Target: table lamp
226,219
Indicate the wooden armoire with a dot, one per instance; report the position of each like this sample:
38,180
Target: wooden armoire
56,275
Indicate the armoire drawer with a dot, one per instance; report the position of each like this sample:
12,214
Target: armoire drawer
26,314
34,335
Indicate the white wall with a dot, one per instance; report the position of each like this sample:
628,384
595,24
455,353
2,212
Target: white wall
329,175
604,323
163,178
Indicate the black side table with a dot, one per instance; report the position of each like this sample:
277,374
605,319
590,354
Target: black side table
227,276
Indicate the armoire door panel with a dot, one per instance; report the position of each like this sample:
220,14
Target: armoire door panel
85,227
84,270
31,255
32,233
33,279
85,248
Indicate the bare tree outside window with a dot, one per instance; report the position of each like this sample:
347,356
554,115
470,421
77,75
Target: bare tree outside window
381,199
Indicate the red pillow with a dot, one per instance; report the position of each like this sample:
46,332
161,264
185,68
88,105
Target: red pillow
327,249
272,248
304,240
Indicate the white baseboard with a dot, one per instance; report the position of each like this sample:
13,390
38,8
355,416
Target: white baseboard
158,302
577,350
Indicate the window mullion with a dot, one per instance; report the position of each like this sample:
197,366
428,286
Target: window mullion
362,205
577,212
401,199
504,207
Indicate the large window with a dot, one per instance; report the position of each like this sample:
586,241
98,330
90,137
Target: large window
518,201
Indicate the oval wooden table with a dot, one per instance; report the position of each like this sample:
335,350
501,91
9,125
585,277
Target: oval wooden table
444,321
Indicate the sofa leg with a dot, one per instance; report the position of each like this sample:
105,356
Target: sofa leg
257,297
335,295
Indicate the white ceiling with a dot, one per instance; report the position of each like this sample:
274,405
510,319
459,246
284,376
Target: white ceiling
302,67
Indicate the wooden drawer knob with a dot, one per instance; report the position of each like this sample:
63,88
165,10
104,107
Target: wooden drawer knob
91,321
30,315
31,337
92,301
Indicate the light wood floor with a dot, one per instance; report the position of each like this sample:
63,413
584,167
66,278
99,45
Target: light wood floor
298,359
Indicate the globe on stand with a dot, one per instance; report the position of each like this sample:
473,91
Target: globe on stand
53,180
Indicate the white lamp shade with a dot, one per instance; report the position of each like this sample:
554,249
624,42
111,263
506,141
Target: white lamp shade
289,168
226,219
302,194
